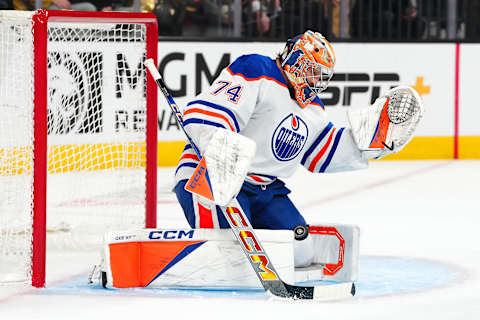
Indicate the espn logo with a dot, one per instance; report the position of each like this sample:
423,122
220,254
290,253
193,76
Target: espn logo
357,84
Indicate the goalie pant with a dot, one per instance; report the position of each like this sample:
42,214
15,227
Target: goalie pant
266,206
251,97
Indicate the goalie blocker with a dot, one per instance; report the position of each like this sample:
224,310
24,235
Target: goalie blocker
211,258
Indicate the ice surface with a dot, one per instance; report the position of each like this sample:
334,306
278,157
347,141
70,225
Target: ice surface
418,245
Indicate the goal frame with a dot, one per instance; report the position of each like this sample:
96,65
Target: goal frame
40,21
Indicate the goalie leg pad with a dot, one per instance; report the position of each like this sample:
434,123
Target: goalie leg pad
189,258
331,253
304,252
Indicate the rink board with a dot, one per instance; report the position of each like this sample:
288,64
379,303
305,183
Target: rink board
449,129
374,68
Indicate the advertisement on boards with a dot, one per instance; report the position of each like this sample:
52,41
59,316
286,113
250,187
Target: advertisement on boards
363,72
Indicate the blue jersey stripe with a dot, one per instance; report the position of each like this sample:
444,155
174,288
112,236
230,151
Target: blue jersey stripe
218,107
332,151
255,66
203,121
316,142
186,164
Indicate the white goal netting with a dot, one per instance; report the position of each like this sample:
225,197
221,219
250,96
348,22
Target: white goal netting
96,135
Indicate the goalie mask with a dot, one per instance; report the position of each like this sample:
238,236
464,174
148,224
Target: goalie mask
308,61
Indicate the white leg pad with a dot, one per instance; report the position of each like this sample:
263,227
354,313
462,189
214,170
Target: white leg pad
334,254
204,258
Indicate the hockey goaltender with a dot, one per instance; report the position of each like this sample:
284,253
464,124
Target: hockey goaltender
253,126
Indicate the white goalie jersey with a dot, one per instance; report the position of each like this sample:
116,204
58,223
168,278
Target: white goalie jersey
251,97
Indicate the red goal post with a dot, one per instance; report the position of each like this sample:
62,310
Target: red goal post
56,117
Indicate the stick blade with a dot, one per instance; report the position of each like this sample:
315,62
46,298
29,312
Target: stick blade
336,291
331,292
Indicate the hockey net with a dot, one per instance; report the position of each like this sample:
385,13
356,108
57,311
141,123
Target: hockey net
75,92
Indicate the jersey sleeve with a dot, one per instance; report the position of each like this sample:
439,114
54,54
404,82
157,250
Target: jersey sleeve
333,150
228,103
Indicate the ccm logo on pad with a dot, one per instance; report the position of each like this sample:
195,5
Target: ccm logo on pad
170,234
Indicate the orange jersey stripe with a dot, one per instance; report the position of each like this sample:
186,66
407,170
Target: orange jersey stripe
321,153
209,113
256,178
189,156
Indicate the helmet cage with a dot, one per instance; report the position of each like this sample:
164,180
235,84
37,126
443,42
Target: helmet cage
317,77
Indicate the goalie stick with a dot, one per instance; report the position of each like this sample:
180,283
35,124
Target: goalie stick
248,241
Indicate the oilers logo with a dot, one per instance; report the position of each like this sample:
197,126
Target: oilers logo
289,138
